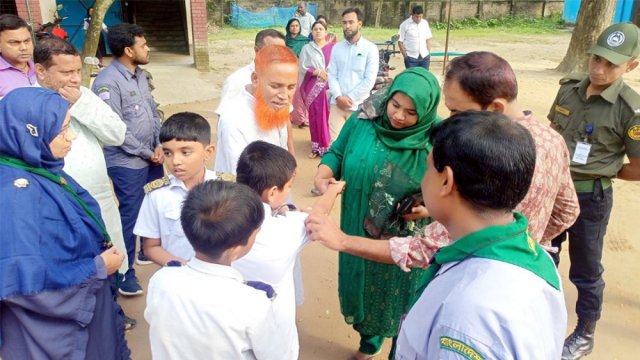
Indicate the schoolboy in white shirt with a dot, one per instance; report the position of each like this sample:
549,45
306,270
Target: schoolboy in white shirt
186,142
205,310
270,171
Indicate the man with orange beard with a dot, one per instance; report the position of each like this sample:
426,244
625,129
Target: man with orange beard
261,111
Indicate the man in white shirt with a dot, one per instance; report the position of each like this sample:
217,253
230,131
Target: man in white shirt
354,67
58,65
261,110
415,39
305,18
234,84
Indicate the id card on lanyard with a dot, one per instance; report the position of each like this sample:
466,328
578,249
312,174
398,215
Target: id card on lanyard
581,154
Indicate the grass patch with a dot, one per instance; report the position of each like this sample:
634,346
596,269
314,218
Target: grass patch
472,27
520,24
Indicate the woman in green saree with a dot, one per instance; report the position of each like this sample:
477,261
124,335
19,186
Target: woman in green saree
294,39
380,154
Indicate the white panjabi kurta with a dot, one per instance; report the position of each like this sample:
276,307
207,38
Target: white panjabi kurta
96,125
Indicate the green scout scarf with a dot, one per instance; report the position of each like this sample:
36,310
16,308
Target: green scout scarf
509,243
19,164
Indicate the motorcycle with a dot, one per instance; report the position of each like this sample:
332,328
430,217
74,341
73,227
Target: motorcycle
53,28
384,56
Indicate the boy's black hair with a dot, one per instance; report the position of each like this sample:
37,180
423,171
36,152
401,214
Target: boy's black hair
186,126
12,22
123,35
218,215
492,158
262,166
49,47
417,10
358,12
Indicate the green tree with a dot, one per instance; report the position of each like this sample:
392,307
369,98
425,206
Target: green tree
93,36
593,17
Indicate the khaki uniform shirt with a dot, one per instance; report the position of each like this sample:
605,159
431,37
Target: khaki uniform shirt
614,117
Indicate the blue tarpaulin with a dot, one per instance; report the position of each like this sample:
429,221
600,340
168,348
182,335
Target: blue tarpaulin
275,16
624,11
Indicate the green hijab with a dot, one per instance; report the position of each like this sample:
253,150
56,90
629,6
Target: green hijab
423,89
295,43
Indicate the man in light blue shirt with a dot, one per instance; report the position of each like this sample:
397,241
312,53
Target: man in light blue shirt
352,71
125,88
494,293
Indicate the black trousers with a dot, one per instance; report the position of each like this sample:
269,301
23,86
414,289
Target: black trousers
586,240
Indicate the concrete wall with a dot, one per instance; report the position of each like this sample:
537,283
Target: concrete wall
200,34
396,11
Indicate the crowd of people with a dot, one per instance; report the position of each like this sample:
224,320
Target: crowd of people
450,230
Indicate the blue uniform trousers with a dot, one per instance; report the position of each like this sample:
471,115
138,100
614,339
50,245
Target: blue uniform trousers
128,185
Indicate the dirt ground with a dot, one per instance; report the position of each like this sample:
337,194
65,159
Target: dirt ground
323,333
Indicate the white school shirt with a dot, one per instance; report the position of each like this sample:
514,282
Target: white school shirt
414,37
354,68
205,311
237,128
271,260
234,84
485,307
159,217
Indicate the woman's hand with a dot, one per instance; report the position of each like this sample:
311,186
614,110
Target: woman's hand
417,212
323,229
337,185
112,258
322,75
323,184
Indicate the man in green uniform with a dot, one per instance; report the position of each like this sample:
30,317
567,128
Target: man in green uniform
599,117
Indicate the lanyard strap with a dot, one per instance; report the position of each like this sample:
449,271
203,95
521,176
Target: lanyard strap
19,164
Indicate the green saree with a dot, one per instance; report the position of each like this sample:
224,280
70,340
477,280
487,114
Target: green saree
381,165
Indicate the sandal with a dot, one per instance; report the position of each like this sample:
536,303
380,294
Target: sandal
313,156
129,323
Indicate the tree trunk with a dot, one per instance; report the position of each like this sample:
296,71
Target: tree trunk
93,36
593,17
379,13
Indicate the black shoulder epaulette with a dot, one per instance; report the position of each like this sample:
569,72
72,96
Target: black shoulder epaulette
573,77
157,184
631,98
268,289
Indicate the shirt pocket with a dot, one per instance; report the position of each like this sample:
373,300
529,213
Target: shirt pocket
608,136
560,117
359,63
132,107
172,219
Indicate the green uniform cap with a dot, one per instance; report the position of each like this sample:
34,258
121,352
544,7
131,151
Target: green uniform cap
618,43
